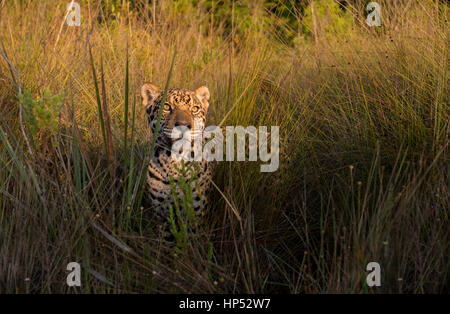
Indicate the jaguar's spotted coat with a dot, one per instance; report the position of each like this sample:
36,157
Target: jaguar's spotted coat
180,109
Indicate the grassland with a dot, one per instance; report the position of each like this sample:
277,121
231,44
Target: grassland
364,173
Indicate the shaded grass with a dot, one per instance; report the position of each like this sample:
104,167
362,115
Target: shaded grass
363,172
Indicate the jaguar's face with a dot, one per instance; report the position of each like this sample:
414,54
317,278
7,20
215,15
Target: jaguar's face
180,109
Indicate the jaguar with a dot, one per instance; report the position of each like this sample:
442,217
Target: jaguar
180,109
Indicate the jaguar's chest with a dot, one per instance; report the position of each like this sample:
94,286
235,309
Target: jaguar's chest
166,176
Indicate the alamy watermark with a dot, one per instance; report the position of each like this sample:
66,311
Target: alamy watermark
208,144
74,277
73,16
374,277
374,16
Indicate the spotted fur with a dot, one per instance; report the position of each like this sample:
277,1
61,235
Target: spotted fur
181,107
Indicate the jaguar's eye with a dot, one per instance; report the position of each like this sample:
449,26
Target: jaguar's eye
167,107
195,109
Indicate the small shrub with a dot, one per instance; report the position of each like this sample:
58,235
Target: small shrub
41,114
182,218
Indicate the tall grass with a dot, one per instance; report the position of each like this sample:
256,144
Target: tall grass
364,172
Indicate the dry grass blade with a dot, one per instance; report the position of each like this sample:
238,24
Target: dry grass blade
111,238
100,277
109,141
15,75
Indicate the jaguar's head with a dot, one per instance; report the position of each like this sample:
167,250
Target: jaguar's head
180,109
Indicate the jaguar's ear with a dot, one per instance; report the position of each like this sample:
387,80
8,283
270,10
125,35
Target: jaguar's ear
149,93
202,94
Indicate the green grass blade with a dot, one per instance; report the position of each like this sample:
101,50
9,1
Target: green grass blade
99,103
140,187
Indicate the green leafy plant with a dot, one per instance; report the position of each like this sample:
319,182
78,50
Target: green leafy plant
183,217
41,114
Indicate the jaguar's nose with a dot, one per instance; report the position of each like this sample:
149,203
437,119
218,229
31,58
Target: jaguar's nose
183,123
182,119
